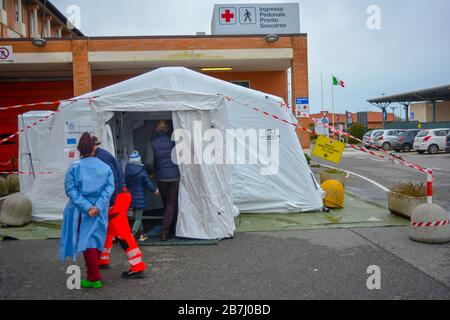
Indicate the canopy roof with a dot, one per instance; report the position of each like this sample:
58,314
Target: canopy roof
431,94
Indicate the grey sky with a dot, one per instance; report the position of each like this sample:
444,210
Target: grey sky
411,51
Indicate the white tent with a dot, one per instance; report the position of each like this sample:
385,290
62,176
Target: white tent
209,193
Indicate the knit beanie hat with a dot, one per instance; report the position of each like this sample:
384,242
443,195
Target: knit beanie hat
135,158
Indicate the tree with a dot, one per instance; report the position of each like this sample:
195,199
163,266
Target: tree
357,131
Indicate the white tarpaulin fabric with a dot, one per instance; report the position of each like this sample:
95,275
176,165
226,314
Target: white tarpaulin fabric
190,96
31,148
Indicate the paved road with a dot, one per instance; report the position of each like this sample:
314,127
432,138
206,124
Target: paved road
317,264
389,174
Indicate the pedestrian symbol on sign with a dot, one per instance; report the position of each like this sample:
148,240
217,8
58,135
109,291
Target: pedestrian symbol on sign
247,15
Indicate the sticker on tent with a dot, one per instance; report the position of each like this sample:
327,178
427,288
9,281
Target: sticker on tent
328,149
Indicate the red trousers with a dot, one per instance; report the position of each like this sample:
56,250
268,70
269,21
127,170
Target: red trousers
118,227
91,258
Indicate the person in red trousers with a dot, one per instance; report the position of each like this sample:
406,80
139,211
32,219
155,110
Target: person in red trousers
118,226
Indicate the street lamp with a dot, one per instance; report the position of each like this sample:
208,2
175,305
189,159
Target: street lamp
39,41
271,38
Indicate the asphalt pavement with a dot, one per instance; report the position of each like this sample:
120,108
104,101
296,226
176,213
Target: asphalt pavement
313,264
388,174
307,264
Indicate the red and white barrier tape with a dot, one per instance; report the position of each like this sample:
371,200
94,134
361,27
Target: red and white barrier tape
30,172
348,135
430,224
43,103
362,149
46,117
5,163
28,105
411,165
28,126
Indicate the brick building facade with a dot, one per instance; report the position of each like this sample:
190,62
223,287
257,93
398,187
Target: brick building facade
72,65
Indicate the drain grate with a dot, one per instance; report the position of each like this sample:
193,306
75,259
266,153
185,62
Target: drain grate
155,241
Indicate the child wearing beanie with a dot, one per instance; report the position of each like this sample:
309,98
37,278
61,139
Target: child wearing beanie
137,180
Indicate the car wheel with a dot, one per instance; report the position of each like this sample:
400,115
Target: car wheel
433,149
407,147
386,146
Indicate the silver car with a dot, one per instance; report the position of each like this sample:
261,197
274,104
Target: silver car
385,138
368,138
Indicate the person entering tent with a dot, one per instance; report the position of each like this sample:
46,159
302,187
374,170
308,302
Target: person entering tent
159,160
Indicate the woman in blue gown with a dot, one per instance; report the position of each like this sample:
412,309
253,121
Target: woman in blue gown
89,184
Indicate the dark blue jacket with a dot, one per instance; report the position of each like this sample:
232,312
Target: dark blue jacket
137,179
162,147
119,182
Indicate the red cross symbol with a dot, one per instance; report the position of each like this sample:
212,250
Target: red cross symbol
227,15
4,53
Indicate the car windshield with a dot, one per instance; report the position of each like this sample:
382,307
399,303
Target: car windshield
368,134
378,133
422,134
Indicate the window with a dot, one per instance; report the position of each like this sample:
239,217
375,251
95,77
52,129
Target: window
3,4
18,16
245,84
440,133
378,134
422,134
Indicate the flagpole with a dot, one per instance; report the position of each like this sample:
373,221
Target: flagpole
321,87
332,101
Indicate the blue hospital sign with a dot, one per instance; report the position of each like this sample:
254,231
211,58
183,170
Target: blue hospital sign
302,107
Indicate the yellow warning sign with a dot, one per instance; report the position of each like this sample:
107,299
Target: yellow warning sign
328,149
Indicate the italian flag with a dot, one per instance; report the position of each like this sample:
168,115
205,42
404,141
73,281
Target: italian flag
338,82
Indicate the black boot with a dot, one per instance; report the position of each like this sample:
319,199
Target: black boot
133,275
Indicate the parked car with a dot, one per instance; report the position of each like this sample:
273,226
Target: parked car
384,138
431,140
405,140
368,137
447,145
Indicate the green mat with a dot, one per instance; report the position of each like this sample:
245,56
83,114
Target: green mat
154,241
358,213
33,231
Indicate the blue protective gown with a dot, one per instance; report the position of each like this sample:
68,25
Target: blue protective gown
89,182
